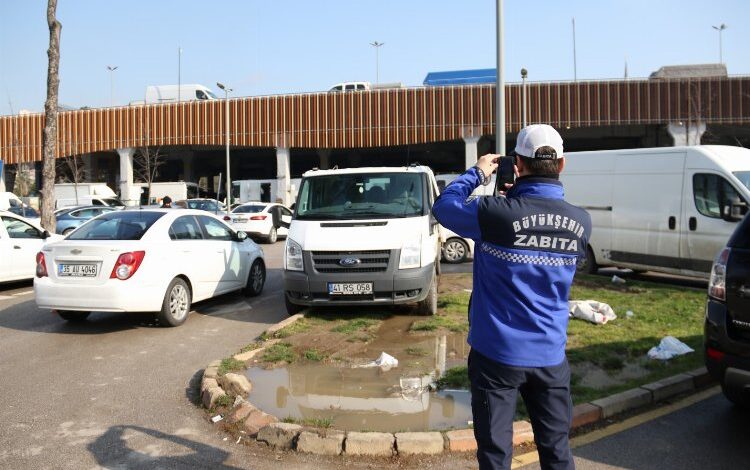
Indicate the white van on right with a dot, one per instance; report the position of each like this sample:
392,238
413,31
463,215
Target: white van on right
668,209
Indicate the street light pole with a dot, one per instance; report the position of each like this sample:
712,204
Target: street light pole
524,74
179,74
111,69
720,29
500,84
575,62
226,121
377,46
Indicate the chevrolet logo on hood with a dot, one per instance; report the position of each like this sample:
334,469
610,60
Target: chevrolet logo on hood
75,251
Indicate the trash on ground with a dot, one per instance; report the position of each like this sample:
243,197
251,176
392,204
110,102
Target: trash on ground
629,314
238,440
617,279
668,348
591,310
413,387
468,290
217,418
385,362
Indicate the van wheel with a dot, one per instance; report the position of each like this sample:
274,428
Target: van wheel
73,316
256,278
455,251
272,236
429,305
291,308
587,265
176,305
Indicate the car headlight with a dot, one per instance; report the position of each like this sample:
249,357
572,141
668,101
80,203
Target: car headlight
293,256
411,254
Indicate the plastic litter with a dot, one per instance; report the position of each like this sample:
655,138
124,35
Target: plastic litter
385,362
617,279
413,387
668,348
591,310
629,314
217,418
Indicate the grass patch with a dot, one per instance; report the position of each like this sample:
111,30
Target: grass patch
300,326
279,352
455,377
230,364
313,422
416,352
436,322
251,347
356,325
313,355
224,400
359,338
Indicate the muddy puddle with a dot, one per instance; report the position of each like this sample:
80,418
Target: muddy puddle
353,397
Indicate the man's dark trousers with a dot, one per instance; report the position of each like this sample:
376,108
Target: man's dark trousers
546,392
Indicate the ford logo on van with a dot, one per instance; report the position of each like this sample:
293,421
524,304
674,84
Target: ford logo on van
349,262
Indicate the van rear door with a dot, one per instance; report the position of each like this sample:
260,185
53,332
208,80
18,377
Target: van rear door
647,209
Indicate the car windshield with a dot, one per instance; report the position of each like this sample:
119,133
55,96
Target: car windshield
249,209
744,177
120,225
361,196
113,202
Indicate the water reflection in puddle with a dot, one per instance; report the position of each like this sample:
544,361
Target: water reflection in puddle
370,398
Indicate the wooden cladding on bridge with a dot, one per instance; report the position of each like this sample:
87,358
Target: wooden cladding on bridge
379,118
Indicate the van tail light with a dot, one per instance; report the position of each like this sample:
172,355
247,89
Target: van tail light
127,264
41,265
717,285
258,217
714,354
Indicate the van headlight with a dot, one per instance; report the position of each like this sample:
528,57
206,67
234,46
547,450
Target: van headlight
411,254
293,256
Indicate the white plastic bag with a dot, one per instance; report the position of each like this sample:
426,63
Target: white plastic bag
591,310
668,348
385,362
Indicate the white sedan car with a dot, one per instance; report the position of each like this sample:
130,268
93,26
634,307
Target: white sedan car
150,260
456,248
254,218
20,240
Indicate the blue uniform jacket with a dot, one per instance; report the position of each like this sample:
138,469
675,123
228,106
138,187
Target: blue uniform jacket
527,245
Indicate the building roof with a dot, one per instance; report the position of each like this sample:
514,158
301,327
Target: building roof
461,77
691,71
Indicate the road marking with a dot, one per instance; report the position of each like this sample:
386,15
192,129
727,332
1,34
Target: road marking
532,457
18,294
5,297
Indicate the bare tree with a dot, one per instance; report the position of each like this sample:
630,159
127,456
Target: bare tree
71,170
146,164
49,137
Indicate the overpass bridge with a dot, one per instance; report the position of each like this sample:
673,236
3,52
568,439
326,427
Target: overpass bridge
378,119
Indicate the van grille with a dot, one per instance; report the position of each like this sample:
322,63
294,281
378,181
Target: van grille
372,261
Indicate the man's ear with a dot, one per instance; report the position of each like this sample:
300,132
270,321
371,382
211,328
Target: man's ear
520,165
562,163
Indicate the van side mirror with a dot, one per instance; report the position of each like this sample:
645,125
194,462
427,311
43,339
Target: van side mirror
276,217
733,212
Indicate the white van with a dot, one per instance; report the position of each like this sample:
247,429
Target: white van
173,93
363,236
668,209
350,86
85,194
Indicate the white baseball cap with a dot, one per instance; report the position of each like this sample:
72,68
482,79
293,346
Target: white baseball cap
532,137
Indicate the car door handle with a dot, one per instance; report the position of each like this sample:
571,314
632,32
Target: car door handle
744,291
16,247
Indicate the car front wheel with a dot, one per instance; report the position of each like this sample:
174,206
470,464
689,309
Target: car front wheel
455,251
176,305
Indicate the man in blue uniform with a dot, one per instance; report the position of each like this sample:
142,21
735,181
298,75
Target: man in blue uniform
527,245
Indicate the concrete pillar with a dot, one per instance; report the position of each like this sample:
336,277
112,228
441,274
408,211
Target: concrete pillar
471,151
681,135
283,184
88,168
325,158
129,194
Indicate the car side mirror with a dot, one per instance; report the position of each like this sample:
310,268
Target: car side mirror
276,218
241,236
46,234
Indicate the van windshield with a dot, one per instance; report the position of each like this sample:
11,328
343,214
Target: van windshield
744,177
361,196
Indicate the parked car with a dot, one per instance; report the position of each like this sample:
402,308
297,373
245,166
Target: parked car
151,260
256,220
208,205
457,249
727,326
20,241
73,217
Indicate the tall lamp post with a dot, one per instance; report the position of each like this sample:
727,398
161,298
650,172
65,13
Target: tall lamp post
500,84
111,69
720,28
524,74
226,121
377,46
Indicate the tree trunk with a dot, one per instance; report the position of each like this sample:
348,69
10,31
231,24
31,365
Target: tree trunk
49,137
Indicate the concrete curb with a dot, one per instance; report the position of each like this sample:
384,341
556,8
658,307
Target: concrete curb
336,442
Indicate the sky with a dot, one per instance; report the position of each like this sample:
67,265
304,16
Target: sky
283,46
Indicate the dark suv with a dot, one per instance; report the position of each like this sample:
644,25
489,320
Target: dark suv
727,329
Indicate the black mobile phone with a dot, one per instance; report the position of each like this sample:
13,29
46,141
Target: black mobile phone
506,173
